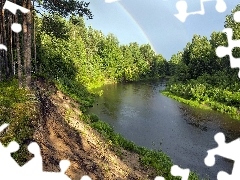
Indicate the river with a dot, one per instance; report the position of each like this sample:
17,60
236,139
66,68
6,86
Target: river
143,115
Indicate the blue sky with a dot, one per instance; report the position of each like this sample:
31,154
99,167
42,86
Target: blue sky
153,22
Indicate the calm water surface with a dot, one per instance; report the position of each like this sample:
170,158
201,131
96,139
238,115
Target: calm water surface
141,114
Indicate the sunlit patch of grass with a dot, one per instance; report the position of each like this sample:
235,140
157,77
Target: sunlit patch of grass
76,91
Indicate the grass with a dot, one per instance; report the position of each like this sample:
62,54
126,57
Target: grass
210,105
76,91
18,109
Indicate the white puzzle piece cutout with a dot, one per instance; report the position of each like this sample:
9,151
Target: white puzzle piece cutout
12,7
3,47
33,169
222,51
182,9
227,150
16,27
177,171
159,178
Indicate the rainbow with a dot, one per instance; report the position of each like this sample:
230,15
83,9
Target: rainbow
136,23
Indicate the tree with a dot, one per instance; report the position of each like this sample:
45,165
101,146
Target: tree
111,55
200,53
159,66
231,23
128,63
178,67
218,64
148,58
66,7
22,42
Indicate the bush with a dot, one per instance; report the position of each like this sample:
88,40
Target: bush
197,92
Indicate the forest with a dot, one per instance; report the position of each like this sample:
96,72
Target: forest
88,56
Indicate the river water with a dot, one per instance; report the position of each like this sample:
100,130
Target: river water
141,114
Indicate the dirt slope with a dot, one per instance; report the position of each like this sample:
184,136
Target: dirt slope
62,135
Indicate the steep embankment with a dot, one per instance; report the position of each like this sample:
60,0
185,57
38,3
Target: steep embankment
61,134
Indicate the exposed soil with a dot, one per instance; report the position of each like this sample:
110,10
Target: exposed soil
61,134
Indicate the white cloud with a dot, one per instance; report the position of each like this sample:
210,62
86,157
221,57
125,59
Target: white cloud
110,1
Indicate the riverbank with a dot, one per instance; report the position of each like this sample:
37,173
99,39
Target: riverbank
158,161
205,102
55,122
89,152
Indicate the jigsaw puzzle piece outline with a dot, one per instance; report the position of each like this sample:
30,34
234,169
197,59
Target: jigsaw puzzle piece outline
12,7
222,51
159,178
9,165
35,164
182,8
227,150
177,171
2,46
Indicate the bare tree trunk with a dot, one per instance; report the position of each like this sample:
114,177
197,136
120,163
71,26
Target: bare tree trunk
24,43
10,50
34,39
1,42
28,45
20,80
4,57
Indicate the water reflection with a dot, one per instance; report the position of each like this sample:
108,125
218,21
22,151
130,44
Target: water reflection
141,114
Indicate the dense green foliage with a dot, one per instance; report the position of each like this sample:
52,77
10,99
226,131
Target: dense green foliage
203,79
206,96
77,59
91,58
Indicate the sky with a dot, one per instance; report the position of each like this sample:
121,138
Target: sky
153,22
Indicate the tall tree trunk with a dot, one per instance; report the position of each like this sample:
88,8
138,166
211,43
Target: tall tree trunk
18,49
4,58
1,42
29,45
3,38
10,50
24,42
34,39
